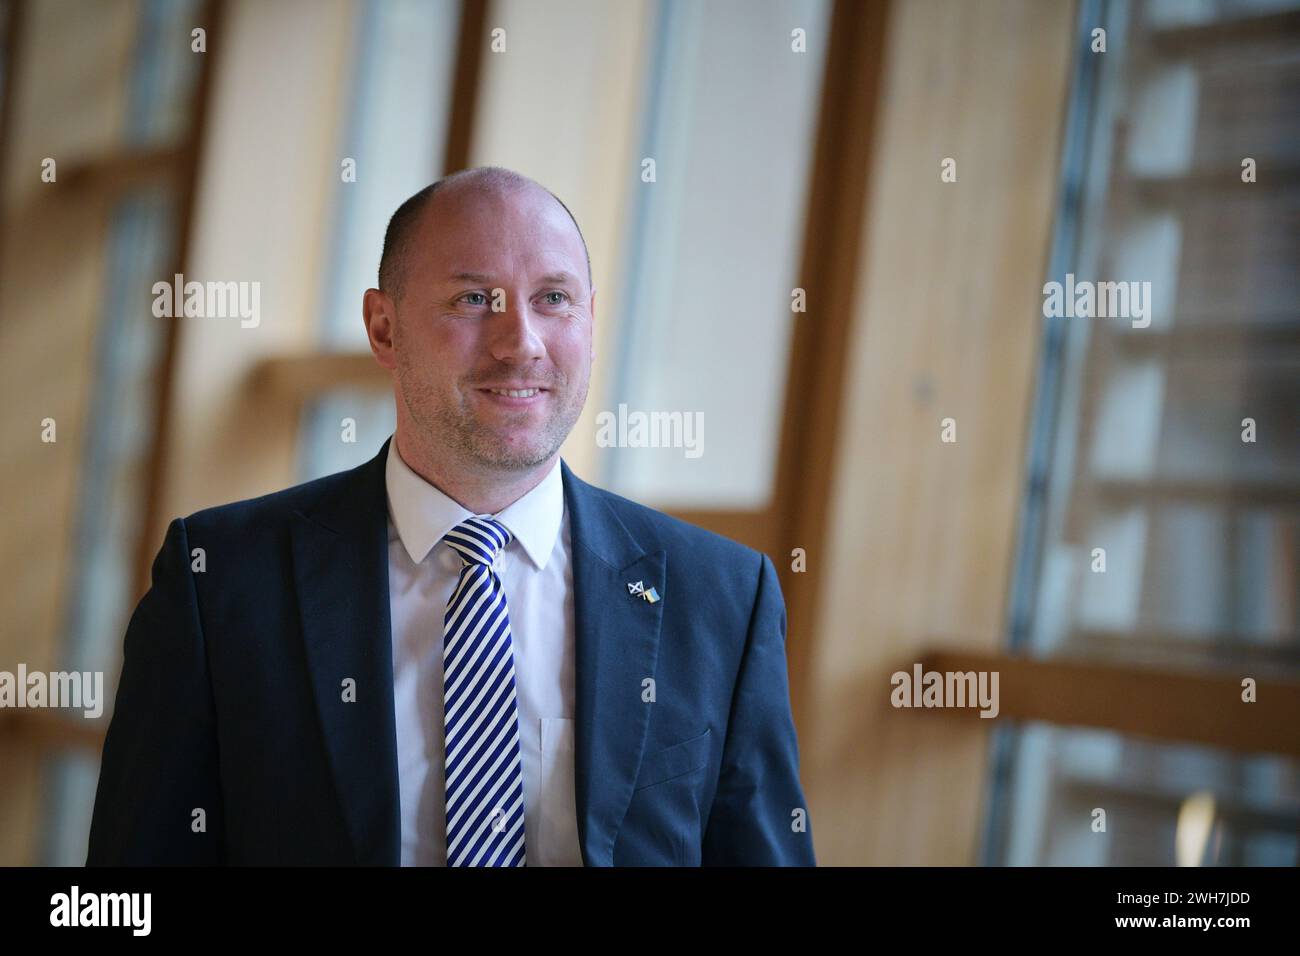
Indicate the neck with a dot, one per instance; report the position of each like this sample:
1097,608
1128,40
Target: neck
479,490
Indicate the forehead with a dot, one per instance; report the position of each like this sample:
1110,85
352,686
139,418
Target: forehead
495,233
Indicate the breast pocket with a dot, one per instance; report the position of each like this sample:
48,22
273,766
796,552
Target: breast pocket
558,821
674,761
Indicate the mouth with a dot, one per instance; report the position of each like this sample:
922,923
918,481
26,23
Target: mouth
514,397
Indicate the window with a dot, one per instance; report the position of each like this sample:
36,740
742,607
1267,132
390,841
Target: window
1160,525
713,248
404,59
128,189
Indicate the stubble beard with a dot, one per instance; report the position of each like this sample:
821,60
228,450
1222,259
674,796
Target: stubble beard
450,426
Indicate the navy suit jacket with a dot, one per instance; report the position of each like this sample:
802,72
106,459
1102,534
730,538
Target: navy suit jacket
231,694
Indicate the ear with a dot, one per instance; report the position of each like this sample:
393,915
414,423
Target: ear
380,314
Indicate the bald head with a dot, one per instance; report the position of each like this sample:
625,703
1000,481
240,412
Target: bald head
479,181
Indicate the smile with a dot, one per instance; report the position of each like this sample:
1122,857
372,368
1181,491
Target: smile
514,398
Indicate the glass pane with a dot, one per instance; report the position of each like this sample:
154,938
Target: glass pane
1163,805
342,430
714,248
396,132
164,73
401,93
139,247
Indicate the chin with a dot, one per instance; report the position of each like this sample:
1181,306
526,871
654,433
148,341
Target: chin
512,456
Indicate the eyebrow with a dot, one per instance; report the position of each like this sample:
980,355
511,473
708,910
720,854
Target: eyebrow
559,278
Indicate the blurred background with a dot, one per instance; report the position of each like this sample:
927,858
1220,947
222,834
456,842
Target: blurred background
801,273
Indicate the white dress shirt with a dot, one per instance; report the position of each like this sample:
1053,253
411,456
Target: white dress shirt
536,573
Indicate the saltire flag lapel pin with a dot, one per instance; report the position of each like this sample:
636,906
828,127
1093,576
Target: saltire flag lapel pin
638,588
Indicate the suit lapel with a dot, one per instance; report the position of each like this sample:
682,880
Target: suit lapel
340,560
617,638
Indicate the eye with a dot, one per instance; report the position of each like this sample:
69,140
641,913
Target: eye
479,294
563,297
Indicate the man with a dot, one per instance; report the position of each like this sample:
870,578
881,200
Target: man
458,653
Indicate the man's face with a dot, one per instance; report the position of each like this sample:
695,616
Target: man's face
457,358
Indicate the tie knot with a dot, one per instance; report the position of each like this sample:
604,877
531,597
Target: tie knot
478,539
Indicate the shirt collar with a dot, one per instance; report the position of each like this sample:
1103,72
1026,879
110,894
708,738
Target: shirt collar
423,514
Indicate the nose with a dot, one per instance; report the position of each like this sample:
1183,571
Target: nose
515,335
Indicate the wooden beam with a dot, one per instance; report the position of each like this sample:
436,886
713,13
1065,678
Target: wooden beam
1274,654
1212,185
1230,808
14,19
1190,706
300,378
47,731
118,172
1275,341
833,233
186,171
753,528
1277,494
465,85
1212,36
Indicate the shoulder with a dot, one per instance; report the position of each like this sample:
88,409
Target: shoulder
696,546
276,510
727,586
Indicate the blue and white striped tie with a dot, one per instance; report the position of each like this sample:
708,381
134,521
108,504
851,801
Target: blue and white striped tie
484,779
